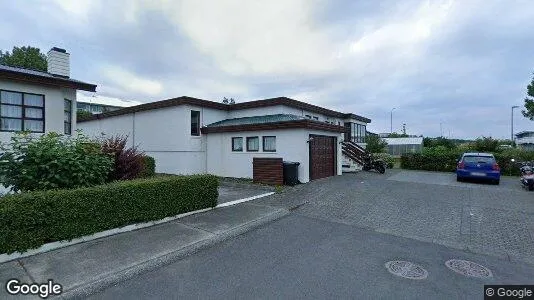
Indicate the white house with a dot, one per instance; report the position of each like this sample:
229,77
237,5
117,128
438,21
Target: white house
188,136
37,101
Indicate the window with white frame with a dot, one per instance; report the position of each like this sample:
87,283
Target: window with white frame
253,143
237,144
269,144
21,111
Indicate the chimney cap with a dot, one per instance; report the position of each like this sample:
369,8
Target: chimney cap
58,50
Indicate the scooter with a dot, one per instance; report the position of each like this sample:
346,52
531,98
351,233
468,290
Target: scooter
527,176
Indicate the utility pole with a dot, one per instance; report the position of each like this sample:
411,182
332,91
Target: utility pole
403,128
512,125
391,121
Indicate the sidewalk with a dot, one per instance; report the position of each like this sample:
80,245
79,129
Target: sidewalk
88,267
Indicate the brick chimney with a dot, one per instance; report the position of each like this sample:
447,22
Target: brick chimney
58,62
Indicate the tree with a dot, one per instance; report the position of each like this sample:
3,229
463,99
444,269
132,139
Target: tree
228,101
24,57
83,114
375,144
439,141
486,144
528,112
397,135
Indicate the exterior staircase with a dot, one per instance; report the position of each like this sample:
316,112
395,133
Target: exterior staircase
353,156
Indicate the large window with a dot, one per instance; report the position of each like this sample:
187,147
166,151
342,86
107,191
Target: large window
237,144
195,122
269,144
355,132
253,143
67,114
21,112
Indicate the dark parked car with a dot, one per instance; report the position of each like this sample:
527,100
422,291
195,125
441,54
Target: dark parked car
478,166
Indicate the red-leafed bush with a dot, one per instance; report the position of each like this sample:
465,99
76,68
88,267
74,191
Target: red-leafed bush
128,162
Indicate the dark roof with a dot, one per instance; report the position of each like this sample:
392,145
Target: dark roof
356,117
256,120
269,122
238,106
39,77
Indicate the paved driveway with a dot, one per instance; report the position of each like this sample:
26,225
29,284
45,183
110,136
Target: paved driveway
431,207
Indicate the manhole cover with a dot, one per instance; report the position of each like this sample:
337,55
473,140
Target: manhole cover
406,269
468,268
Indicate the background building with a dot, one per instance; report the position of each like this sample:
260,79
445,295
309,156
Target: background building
399,146
525,140
97,104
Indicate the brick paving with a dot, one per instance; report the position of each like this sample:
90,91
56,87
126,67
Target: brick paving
427,206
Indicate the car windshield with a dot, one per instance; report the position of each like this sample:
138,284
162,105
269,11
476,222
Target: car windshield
479,159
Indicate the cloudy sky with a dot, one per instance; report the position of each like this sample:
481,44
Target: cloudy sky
461,63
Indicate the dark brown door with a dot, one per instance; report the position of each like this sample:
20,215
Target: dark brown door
322,156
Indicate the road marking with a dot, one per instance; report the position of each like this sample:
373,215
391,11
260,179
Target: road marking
244,200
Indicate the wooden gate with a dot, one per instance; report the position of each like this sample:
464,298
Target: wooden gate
323,156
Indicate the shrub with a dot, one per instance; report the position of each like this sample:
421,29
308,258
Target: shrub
389,159
486,144
83,115
52,161
128,162
149,167
438,160
29,220
431,161
375,144
505,156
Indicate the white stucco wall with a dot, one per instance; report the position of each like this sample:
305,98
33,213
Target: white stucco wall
280,109
54,104
164,134
291,145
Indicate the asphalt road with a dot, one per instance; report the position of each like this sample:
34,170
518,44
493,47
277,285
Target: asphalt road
302,257
337,244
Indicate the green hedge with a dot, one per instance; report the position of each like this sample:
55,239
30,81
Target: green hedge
149,167
446,161
387,158
29,220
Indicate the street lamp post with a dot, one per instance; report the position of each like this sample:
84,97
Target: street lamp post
391,120
512,125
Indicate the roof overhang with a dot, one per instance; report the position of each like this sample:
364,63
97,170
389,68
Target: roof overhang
356,117
51,81
306,124
227,107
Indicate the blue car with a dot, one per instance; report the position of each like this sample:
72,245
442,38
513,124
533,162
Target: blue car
478,166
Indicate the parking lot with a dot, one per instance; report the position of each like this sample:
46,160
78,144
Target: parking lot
431,207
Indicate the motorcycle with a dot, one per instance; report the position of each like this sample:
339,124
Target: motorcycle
369,163
527,175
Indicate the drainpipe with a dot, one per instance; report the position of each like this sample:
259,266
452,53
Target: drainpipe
133,130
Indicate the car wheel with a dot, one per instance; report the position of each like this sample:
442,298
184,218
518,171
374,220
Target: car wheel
496,182
459,179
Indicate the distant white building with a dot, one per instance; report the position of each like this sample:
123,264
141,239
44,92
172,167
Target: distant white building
525,140
97,104
399,146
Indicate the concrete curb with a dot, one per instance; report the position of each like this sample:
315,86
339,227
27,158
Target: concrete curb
84,290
